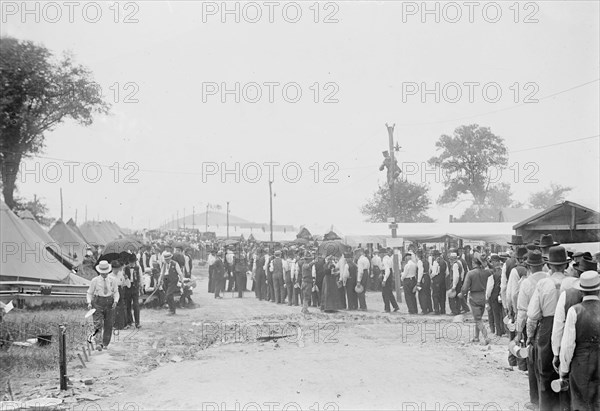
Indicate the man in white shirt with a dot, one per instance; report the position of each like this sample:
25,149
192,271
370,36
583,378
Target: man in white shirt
211,261
579,355
376,268
362,278
409,282
386,285
102,295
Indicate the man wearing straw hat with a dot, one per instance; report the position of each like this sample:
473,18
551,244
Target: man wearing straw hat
579,356
534,264
540,319
103,295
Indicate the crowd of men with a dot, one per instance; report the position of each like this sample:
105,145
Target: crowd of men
543,297
156,274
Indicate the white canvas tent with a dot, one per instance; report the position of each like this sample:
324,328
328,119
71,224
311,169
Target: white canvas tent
24,257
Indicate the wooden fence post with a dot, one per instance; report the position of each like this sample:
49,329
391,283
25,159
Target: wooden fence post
62,350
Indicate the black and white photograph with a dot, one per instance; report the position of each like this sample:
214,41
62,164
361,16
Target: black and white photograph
300,205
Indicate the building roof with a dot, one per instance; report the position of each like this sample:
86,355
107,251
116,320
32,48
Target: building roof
514,215
568,222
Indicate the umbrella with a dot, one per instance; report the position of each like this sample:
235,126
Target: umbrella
110,257
230,242
332,247
120,245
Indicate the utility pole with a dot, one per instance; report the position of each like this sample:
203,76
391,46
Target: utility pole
61,205
184,218
194,216
391,181
228,220
75,216
206,222
271,210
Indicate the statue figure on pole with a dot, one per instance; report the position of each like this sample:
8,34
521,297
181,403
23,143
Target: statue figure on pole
392,169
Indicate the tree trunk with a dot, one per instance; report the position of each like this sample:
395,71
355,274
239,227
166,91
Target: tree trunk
9,168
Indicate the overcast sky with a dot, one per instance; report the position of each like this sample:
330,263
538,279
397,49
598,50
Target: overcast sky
366,64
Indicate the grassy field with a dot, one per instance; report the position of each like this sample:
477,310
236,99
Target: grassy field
30,362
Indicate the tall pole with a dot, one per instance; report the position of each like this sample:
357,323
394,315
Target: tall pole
206,222
177,221
194,216
392,170
271,210
75,216
61,205
184,218
228,220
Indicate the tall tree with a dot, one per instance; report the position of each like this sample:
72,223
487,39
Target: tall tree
412,202
37,93
547,198
470,161
36,207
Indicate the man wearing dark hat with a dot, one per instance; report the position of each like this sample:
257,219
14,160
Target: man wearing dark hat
409,282
351,282
219,274
424,284
540,319
546,241
308,275
438,283
462,302
276,267
386,284
474,287
131,291
240,267
170,277
580,353
376,267
516,276
492,292
210,261
509,264
535,273
363,265
103,295
260,278
453,282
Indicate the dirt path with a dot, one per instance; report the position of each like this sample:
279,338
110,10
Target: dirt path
209,358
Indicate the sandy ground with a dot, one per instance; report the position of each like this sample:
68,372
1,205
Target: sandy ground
210,358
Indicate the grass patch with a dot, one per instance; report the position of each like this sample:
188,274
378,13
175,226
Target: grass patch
29,362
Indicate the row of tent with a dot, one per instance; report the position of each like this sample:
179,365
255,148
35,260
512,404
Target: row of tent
30,253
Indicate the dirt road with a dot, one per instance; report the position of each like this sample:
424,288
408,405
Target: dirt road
211,358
